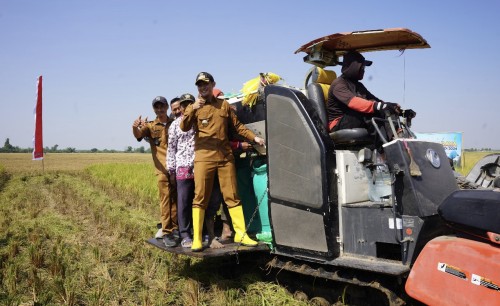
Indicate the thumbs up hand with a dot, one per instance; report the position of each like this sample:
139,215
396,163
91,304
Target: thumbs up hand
139,122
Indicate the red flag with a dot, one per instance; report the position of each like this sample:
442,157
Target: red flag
38,137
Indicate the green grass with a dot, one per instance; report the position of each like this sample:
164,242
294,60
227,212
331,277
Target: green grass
470,159
76,236
75,242
130,178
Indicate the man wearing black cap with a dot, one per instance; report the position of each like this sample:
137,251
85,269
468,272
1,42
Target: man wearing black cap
157,134
211,118
349,102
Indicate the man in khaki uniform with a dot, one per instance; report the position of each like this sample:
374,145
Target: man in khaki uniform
211,118
156,132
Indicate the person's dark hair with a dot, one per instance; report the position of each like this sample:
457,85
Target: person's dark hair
176,99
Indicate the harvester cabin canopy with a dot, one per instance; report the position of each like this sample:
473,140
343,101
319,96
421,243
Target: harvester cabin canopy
326,50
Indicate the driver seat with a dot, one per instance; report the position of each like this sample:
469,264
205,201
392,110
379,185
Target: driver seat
317,92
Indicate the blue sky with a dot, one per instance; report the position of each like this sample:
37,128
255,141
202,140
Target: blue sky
104,61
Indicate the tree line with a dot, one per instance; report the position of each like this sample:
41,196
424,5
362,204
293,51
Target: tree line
479,150
9,148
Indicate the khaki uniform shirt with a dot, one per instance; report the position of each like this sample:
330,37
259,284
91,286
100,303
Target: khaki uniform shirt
157,132
211,123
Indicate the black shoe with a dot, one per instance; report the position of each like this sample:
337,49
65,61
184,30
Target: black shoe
169,241
176,234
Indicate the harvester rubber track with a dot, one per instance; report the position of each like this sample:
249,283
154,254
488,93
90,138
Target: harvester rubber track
337,276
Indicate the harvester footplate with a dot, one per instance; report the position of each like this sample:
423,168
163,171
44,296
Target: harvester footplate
230,248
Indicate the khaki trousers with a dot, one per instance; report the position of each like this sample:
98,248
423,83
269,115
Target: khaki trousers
204,175
168,204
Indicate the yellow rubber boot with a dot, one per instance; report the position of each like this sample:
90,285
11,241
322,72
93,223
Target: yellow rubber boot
239,226
198,217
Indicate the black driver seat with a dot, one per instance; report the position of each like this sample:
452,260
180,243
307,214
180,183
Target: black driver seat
317,92
351,137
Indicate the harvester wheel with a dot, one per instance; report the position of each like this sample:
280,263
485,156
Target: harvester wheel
319,301
300,296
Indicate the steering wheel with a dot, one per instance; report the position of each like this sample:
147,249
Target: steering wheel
393,126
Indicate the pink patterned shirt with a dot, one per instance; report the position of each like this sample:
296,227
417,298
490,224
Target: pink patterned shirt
180,151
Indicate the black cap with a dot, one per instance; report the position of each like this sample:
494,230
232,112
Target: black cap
187,98
160,99
205,77
354,56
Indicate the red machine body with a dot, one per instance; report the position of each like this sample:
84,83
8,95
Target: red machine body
456,271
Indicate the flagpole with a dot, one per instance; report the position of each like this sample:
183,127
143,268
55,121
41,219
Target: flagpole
38,135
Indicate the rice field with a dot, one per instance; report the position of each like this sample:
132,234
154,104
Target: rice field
471,158
73,230
22,162
74,233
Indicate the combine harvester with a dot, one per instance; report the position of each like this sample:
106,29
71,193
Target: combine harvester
387,232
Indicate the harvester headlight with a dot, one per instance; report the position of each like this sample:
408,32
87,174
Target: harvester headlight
433,158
